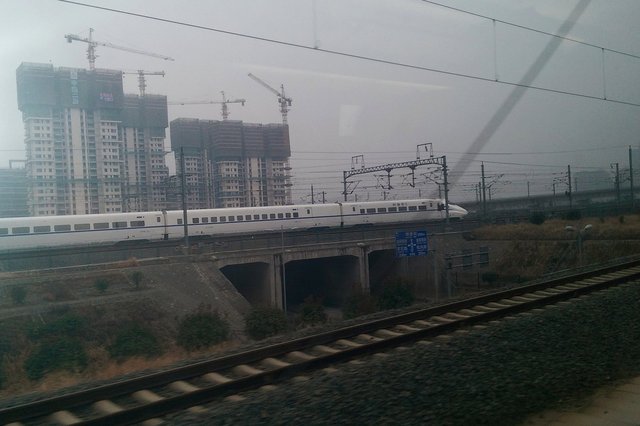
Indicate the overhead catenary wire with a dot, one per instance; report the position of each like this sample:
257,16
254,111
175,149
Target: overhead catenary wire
369,58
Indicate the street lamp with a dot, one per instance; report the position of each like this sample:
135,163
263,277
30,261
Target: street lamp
579,238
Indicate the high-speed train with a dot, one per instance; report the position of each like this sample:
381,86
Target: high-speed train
73,230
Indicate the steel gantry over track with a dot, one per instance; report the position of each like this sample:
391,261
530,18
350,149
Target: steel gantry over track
412,165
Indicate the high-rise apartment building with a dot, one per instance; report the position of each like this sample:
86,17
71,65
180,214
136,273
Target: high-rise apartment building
13,190
232,164
90,148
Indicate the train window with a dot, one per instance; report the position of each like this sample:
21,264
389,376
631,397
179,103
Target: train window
430,204
371,210
101,225
119,224
223,218
362,211
382,210
61,228
195,220
205,220
81,227
265,217
280,216
392,209
308,211
239,218
402,209
214,219
20,230
256,217
247,217
42,228
422,208
158,219
413,208
179,221
353,209
272,215
137,223
287,215
295,214
232,219
4,231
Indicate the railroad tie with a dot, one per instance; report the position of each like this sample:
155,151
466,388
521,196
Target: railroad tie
297,356
216,378
64,417
246,370
183,387
107,407
348,343
146,396
407,328
368,338
470,312
456,316
274,363
325,349
442,319
383,332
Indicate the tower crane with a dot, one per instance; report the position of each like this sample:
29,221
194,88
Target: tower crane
224,103
283,100
142,84
92,44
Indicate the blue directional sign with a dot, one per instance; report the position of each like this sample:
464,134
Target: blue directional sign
411,243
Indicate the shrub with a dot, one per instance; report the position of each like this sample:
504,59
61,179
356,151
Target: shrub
136,277
265,322
537,218
134,341
312,311
101,285
60,354
395,294
358,304
18,294
621,219
201,330
69,325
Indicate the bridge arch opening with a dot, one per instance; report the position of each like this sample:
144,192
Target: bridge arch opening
251,280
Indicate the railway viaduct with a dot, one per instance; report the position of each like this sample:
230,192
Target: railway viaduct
270,268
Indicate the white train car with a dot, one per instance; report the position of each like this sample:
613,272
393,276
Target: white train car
80,230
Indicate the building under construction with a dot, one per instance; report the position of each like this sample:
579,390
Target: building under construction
90,148
232,164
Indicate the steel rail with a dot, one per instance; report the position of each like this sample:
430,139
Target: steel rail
164,406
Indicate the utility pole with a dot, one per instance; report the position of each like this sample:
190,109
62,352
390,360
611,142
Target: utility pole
324,200
569,180
313,199
184,197
631,177
484,192
617,183
446,188
528,191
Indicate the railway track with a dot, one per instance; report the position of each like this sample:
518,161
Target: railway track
158,394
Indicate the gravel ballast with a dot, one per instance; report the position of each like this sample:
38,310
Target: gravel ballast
498,376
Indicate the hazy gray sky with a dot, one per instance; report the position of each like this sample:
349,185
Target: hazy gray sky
344,106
